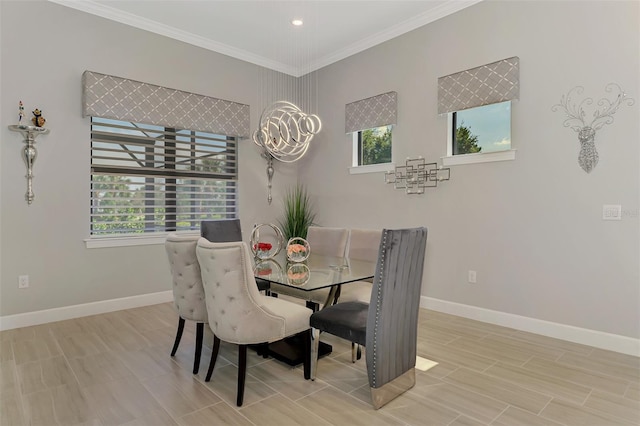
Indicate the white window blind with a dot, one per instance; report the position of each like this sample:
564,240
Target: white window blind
149,178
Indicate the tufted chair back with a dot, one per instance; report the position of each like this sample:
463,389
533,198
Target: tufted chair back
188,293
328,241
364,244
234,304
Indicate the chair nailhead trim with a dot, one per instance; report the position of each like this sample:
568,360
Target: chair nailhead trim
378,303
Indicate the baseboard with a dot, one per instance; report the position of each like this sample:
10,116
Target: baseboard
598,339
26,319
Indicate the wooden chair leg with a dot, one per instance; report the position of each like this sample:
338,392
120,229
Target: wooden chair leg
242,373
199,337
214,356
178,335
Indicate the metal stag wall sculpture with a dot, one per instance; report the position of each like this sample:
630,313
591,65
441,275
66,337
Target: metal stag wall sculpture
576,119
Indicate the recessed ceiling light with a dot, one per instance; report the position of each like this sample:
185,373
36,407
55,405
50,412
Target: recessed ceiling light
297,22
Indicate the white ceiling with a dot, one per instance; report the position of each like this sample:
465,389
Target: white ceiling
261,32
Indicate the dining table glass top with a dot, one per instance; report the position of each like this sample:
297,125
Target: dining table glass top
314,273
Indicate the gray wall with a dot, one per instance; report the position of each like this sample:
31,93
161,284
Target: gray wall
532,228
45,49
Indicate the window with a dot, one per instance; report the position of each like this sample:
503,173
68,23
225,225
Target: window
482,130
149,179
372,146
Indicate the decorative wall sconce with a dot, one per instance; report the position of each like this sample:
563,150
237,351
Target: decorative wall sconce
284,133
416,175
574,110
29,153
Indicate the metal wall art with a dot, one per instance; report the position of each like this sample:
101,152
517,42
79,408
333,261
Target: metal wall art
416,175
284,133
586,129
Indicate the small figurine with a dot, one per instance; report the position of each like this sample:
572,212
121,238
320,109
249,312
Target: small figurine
38,120
20,112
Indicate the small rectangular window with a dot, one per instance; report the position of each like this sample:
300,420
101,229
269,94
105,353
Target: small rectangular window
147,178
482,129
372,146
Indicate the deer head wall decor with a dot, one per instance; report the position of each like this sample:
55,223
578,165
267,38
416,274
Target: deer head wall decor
576,119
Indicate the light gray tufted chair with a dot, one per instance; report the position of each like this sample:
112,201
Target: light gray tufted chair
238,313
324,241
224,231
388,324
188,294
363,245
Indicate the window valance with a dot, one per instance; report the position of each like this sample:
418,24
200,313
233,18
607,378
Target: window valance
118,98
488,84
376,111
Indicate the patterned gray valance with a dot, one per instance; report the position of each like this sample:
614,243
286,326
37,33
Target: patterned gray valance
372,112
488,84
107,96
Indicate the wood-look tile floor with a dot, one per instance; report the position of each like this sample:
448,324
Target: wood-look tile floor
115,369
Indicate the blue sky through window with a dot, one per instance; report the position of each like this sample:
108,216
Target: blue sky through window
491,123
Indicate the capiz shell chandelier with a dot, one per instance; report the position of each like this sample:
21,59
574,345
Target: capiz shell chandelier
285,131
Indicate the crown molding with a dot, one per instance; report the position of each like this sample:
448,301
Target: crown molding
136,21
98,9
445,9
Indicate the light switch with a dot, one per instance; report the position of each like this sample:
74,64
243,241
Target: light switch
611,212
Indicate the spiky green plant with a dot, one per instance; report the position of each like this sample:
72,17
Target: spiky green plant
298,212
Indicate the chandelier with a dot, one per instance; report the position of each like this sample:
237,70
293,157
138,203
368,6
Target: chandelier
284,133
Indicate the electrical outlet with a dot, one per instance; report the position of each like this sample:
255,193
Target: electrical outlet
611,212
23,281
472,277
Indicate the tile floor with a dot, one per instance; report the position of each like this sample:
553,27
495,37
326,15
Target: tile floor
115,369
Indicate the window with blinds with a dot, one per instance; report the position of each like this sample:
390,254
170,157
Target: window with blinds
147,178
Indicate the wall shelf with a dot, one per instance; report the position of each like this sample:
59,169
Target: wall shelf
29,153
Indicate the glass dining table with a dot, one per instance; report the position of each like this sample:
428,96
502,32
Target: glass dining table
314,273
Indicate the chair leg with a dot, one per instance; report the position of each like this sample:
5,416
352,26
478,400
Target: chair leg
199,336
356,352
307,354
214,356
313,306
242,373
178,335
315,344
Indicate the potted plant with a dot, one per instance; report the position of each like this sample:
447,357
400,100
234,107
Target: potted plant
298,213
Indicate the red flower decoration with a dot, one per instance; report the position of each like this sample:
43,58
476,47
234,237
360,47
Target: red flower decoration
262,246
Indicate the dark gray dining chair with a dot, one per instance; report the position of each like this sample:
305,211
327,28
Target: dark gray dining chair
388,325
221,231
227,231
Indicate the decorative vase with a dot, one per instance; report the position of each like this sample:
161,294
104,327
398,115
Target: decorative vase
298,249
269,243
